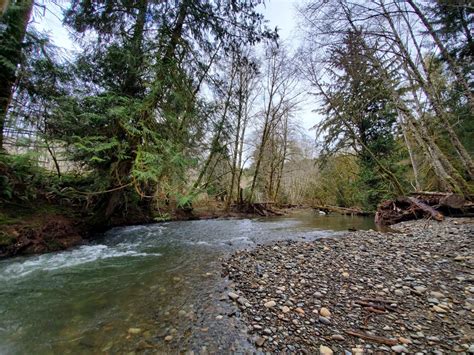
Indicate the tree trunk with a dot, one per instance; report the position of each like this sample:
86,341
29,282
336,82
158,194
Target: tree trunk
217,134
444,53
16,19
428,88
414,164
236,143
283,157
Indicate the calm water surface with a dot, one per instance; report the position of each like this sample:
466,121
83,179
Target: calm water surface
136,285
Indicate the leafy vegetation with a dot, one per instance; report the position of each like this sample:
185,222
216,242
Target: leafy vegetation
172,104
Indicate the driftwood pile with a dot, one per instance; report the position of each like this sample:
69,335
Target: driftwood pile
264,209
433,205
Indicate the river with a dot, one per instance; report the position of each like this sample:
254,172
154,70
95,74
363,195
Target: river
135,286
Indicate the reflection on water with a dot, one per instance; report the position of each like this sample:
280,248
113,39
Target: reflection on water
137,285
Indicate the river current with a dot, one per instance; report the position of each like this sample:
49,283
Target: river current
141,288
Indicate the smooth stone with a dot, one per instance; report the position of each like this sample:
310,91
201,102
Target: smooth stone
435,294
243,301
267,331
134,330
337,337
404,341
324,350
420,289
399,349
285,309
324,320
439,309
168,338
299,310
260,341
233,295
270,304
325,312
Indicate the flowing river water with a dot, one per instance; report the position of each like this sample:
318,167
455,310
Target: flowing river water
135,286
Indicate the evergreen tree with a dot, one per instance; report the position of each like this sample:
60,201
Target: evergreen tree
360,116
136,114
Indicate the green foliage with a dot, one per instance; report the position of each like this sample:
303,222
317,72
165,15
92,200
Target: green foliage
360,116
337,182
20,177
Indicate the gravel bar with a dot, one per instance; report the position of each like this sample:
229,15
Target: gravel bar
407,291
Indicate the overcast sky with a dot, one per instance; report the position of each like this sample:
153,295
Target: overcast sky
279,13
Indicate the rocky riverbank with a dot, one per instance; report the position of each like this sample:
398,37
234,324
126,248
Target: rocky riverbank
367,292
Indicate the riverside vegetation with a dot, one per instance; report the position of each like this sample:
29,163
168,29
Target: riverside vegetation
172,107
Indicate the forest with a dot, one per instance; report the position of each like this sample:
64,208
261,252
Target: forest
175,106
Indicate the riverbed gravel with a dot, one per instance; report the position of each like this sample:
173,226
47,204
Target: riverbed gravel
407,291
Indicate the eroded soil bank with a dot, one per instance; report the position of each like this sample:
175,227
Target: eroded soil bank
366,292
47,227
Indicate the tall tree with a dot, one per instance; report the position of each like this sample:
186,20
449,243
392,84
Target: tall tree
14,23
144,64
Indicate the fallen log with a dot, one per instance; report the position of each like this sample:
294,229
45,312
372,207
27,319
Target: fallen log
374,338
445,199
263,209
428,209
425,204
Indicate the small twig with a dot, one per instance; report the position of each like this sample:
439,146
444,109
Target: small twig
374,338
374,310
378,300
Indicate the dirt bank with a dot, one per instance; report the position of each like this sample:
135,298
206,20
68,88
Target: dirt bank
366,292
47,228
39,232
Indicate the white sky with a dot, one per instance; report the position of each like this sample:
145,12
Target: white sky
280,13
283,15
